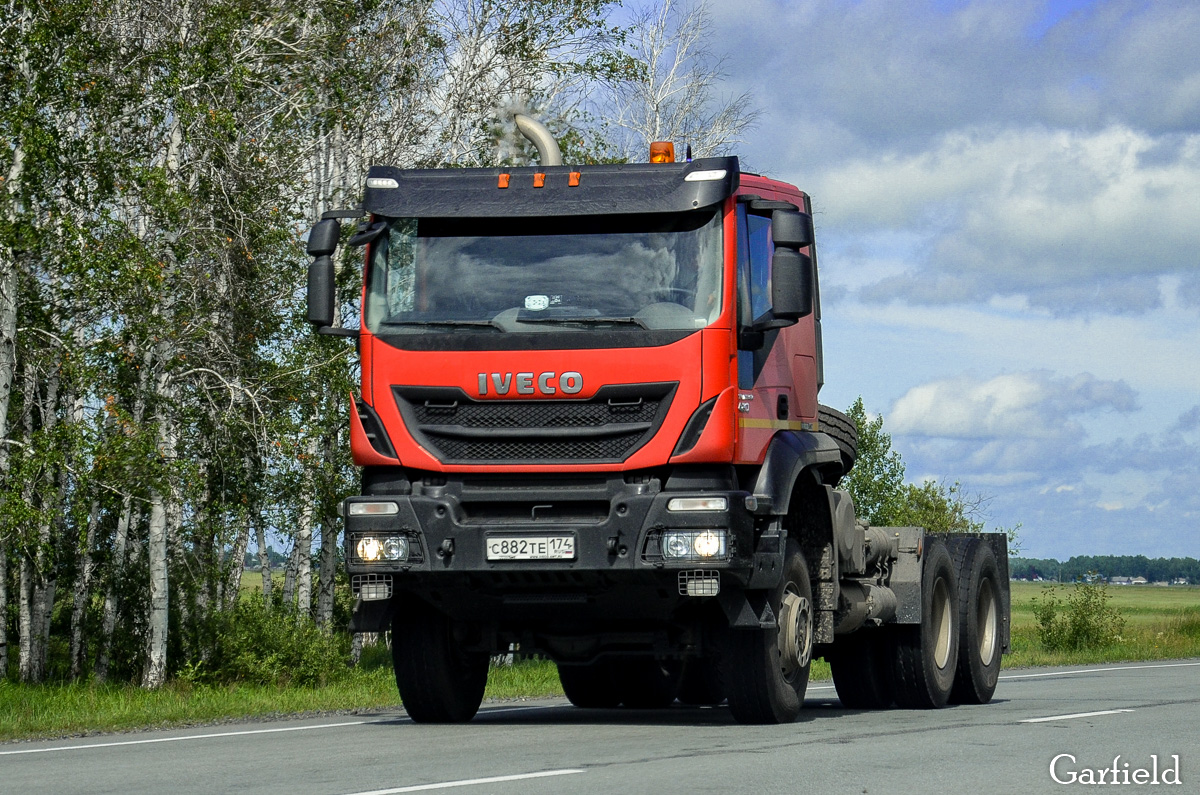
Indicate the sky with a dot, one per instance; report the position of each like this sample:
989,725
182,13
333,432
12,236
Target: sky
1007,203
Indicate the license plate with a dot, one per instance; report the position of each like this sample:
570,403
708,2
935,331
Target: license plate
531,548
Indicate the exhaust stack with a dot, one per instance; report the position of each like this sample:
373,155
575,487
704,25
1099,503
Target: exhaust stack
548,152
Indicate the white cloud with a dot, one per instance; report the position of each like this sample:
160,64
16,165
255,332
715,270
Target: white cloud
1015,405
1072,219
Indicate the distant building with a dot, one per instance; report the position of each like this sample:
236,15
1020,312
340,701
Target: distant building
1138,581
1180,581
1123,580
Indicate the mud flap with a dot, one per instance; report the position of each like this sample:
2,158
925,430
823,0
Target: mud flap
372,616
747,609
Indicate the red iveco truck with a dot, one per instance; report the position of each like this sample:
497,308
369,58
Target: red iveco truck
589,425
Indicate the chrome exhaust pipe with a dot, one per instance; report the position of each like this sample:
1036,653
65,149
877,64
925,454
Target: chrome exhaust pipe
548,152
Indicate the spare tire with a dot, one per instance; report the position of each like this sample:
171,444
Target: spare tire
842,430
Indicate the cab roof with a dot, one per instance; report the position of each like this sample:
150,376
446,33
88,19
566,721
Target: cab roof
626,188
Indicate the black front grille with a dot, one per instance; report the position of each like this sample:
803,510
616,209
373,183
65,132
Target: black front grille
606,428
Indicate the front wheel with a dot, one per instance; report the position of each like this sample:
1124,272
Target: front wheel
439,681
766,671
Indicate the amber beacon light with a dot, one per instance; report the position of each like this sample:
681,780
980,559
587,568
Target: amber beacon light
662,152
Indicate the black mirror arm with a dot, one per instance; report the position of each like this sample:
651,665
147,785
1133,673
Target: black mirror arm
338,331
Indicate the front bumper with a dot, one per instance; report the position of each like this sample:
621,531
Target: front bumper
616,526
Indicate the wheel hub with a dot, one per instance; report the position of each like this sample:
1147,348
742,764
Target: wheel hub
795,632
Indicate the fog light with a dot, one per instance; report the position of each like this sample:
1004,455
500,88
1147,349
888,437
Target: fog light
395,548
680,504
369,548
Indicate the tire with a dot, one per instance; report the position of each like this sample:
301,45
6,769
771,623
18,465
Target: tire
979,614
701,685
438,681
926,654
861,666
842,430
646,683
763,683
589,686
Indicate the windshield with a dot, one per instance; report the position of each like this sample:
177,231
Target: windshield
551,275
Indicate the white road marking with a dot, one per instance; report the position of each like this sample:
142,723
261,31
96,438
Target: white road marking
185,737
470,782
1101,670
1076,715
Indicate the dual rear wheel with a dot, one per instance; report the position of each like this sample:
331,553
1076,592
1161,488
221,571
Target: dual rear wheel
952,656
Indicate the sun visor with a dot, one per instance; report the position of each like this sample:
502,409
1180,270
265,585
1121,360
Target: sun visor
627,188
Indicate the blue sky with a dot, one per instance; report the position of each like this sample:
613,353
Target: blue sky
1007,201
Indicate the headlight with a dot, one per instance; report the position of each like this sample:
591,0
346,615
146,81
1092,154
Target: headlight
679,504
693,544
369,548
372,549
395,548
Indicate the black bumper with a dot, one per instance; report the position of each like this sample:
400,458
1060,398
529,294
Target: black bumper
616,527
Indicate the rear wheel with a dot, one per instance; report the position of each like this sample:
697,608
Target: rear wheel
766,671
439,682
590,686
860,664
926,654
979,605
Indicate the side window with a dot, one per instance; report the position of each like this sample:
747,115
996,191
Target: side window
754,286
754,266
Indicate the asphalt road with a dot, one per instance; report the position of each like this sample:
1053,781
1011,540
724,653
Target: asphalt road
1093,713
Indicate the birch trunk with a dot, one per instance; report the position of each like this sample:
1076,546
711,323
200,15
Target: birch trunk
158,541
124,522
83,593
155,672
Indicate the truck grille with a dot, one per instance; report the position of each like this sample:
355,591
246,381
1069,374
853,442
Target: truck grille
606,428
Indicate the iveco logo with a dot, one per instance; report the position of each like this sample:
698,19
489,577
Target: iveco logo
547,383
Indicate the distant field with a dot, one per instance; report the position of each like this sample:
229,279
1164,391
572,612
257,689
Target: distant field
1160,623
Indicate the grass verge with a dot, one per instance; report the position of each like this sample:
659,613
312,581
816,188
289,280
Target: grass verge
1161,623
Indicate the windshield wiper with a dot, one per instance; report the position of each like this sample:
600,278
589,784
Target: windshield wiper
587,320
447,323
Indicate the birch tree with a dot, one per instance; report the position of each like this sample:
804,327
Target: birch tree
674,92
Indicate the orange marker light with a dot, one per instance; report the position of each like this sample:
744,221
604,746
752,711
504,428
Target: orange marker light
573,179
662,152
503,181
539,180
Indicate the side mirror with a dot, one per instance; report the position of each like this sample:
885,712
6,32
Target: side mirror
791,284
791,229
322,242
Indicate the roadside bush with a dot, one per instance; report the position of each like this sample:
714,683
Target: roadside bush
266,645
1085,620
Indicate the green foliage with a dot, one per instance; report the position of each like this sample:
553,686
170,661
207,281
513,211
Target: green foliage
1086,620
267,645
876,483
